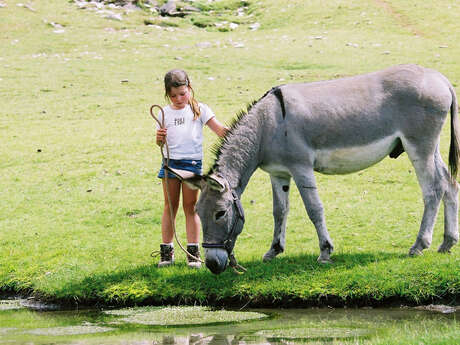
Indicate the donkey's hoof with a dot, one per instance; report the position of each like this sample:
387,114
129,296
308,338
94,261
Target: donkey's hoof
269,256
324,260
447,245
415,252
443,248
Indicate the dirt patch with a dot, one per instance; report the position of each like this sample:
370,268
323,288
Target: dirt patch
403,20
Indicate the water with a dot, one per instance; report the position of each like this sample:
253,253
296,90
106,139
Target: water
197,325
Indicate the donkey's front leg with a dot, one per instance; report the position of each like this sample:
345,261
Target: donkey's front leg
306,183
280,188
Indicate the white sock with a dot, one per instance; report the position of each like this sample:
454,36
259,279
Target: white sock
193,244
169,244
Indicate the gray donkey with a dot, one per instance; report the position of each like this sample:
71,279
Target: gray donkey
332,127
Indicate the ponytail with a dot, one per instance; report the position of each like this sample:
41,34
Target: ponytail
194,105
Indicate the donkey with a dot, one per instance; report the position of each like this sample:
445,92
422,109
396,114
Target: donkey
332,127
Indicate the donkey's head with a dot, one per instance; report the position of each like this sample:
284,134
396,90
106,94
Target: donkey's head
221,215
222,220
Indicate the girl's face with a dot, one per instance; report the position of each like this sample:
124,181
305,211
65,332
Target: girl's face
179,96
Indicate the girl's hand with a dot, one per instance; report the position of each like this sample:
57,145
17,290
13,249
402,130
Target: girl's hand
217,127
161,136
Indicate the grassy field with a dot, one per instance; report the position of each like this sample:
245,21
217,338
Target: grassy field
80,203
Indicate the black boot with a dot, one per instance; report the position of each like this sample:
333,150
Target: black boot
195,251
167,255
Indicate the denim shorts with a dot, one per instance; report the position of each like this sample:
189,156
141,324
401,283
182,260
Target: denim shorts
182,164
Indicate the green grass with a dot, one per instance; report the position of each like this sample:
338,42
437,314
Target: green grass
80,204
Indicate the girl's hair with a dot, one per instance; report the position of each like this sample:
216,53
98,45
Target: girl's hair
177,78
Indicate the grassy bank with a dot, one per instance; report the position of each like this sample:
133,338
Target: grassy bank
80,203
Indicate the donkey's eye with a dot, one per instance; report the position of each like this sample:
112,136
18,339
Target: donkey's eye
220,214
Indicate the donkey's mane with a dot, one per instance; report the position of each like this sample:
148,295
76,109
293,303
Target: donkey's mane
221,143
217,148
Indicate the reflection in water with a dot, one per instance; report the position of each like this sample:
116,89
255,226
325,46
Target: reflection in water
265,337
283,327
200,339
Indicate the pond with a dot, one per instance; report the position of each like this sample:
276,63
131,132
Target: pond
22,323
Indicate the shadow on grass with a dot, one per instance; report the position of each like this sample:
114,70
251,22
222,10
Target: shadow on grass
262,283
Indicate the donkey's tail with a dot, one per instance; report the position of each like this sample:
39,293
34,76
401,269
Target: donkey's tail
454,149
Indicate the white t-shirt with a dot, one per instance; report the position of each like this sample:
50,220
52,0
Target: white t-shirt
185,135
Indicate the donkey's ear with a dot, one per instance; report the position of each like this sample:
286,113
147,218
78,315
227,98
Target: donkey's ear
216,183
193,180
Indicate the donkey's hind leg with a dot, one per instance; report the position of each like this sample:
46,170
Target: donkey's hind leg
280,188
450,201
432,183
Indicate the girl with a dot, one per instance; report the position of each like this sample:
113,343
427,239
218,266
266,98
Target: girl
184,121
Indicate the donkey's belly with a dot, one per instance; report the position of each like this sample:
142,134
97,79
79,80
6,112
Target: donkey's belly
350,159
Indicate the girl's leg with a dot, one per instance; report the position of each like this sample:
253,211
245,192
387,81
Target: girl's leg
192,220
167,232
192,225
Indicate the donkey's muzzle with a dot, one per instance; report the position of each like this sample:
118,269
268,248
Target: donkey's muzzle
216,259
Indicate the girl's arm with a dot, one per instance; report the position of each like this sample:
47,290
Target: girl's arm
217,127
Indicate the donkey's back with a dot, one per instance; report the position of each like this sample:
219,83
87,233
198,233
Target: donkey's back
345,125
